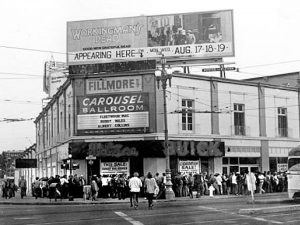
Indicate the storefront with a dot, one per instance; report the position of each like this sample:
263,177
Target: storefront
147,156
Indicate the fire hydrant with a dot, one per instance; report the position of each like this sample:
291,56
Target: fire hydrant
211,191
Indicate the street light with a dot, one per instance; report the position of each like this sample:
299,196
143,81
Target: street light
163,76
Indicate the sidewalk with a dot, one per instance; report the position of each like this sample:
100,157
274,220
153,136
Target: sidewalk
29,200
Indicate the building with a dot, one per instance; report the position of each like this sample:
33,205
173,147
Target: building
220,125
108,116
28,172
7,162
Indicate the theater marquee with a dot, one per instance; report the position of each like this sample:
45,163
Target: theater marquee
113,113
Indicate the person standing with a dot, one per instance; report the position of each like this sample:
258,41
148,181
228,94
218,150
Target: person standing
251,183
219,183
261,181
178,185
150,186
190,184
224,183
121,183
184,185
37,188
190,37
64,186
234,184
23,186
205,183
94,188
135,185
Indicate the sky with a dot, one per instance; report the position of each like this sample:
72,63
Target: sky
32,31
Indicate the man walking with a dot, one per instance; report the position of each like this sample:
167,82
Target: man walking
135,185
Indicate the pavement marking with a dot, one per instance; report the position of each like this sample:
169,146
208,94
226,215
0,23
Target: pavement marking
27,218
292,221
208,221
245,216
73,221
129,219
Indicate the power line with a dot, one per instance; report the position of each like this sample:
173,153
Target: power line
19,78
33,50
21,74
12,120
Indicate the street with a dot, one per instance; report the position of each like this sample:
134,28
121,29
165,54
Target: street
200,211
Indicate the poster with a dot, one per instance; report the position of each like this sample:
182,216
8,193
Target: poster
189,166
109,168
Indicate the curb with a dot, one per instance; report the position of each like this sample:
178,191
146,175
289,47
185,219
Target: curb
99,202
269,209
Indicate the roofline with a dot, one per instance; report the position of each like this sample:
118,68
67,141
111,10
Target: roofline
175,74
275,75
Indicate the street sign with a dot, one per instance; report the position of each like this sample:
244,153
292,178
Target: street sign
90,157
229,68
218,69
210,69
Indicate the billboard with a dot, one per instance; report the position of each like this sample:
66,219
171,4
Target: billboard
200,34
113,113
55,74
26,163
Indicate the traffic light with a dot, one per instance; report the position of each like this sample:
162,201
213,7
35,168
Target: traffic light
64,166
69,150
75,166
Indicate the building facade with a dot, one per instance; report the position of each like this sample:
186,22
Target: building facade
214,125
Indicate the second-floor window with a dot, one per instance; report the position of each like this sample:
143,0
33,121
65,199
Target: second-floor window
282,122
187,114
239,119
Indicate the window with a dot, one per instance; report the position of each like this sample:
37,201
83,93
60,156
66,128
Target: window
61,119
248,160
282,122
239,119
225,161
187,115
69,123
234,160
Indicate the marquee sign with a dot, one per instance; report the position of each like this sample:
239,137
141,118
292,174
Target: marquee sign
113,113
200,34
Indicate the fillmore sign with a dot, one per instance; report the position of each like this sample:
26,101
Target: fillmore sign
114,84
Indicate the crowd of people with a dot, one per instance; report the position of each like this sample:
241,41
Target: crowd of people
222,184
173,35
121,186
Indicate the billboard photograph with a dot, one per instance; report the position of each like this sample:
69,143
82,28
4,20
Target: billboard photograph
200,34
194,28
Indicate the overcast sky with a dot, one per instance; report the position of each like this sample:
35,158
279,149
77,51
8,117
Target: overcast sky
266,42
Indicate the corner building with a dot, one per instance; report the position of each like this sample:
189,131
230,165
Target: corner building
214,125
